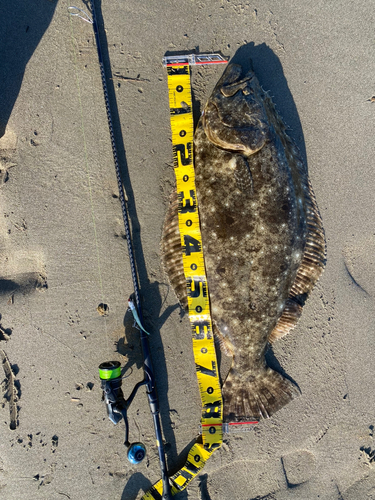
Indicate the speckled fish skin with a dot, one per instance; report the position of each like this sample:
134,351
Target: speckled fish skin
262,236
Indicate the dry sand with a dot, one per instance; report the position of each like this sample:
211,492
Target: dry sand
62,250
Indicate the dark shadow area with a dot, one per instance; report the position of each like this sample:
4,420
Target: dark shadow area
273,363
269,71
135,484
22,25
8,286
23,283
203,487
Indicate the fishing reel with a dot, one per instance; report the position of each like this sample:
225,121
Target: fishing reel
117,405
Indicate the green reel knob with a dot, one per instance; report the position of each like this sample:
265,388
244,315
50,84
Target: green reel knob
110,370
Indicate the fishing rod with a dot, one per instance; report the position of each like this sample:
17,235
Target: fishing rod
110,371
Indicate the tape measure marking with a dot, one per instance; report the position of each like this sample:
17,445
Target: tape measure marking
198,299
180,103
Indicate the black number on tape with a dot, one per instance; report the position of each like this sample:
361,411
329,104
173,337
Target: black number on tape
207,371
186,156
191,245
212,410
186,205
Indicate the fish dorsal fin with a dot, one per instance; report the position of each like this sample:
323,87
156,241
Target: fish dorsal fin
311,268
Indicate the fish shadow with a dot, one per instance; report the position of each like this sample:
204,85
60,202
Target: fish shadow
268,69
273,363
22,26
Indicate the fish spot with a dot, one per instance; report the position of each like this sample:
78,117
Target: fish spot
229,220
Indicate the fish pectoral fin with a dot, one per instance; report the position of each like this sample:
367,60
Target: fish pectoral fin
254,395
242,174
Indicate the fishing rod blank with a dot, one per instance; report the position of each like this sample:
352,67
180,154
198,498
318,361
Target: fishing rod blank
110,372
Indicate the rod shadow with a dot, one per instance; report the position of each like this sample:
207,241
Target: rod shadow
149,291
22,26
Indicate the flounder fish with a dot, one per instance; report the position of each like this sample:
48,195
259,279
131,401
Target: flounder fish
262,234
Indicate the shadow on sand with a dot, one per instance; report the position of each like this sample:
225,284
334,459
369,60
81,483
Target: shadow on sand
22,26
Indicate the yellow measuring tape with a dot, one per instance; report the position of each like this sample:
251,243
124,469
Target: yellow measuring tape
181,111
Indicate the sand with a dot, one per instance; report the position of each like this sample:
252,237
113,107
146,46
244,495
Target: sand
63,252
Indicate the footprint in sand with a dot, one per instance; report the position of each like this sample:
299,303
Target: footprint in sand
21,272
362,489
10,390
299,467
243,480
250,484
359,259
8,144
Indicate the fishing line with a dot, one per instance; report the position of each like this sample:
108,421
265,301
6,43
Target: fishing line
110,371
88,172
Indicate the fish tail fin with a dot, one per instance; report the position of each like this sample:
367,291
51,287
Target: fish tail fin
256,394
